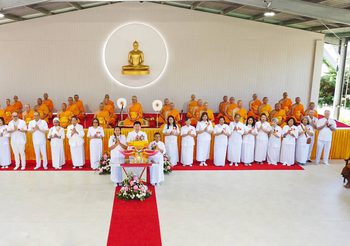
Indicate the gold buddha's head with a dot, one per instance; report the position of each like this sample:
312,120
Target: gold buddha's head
135,45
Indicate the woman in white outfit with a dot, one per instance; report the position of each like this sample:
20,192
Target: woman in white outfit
204,130
305,132
157,168
235,141
5,154
95,134
274,146
221,133
248,142
56,136
289,134
170,132
262,139
116,144
75,134
188,133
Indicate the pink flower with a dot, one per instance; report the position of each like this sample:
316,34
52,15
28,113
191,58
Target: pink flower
131,183
126,189
135,187
136,178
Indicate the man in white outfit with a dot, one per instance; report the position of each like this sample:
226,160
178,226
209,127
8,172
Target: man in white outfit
17,129
325,127
136,134
157,169
39,128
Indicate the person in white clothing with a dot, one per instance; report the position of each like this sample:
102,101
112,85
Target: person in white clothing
204,130
221,133
313,123
157,168
235,141
188,133
136,134
56,136
170,132
117,143
263,129
248,142
325,127
17,129
5,153
39,128
75,134
95,134
289,134
274,145
305,132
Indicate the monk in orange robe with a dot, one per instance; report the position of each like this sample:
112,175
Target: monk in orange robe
80,105
279,114
192,104
109,101
166,107
110,109
103,115
17,105
265,108
286,103
297,110
230,110
254,107
28,114
135,112
43,110
241,111
209,111
173,112
2,112
65,115
48,102
222,106
312,106
197,112
8,111
72,107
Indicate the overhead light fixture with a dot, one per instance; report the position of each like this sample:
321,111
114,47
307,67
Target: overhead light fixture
2,15
269,13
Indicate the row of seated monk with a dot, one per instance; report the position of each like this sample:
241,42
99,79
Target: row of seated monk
107,117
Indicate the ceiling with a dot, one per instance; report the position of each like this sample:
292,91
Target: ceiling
331,17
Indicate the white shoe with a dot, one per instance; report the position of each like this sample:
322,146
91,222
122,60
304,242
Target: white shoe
327,164
191,165
80,167
205,164
231,164
23,168
16,167
236,164
6,167
74,167
36,168
45,168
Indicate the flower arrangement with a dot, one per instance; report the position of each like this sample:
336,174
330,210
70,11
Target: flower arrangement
105,167
167,165
133,188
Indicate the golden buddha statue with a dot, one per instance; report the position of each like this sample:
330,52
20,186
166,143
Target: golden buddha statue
135,59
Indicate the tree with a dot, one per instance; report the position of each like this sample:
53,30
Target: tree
327,85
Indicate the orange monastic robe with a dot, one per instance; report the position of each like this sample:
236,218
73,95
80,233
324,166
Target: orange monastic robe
65,118
49,104
110,102
18,106
80,106
191,107
112,118
44,110
28,116
174,113
280,115
229,111
73,109
103,117
8,113
243,113
2,112
265,109
254,107
222,107
286,104
197,114
163,113
297,111
135,112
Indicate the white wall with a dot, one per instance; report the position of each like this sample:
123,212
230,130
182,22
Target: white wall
209,55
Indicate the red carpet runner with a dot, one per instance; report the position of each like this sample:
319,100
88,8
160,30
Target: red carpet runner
135,222
241,167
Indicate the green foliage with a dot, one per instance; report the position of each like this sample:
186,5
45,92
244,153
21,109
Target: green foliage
327,86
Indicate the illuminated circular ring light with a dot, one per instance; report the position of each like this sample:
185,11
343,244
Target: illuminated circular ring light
104,56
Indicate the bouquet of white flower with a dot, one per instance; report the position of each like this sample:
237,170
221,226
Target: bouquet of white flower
105,167
167,165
